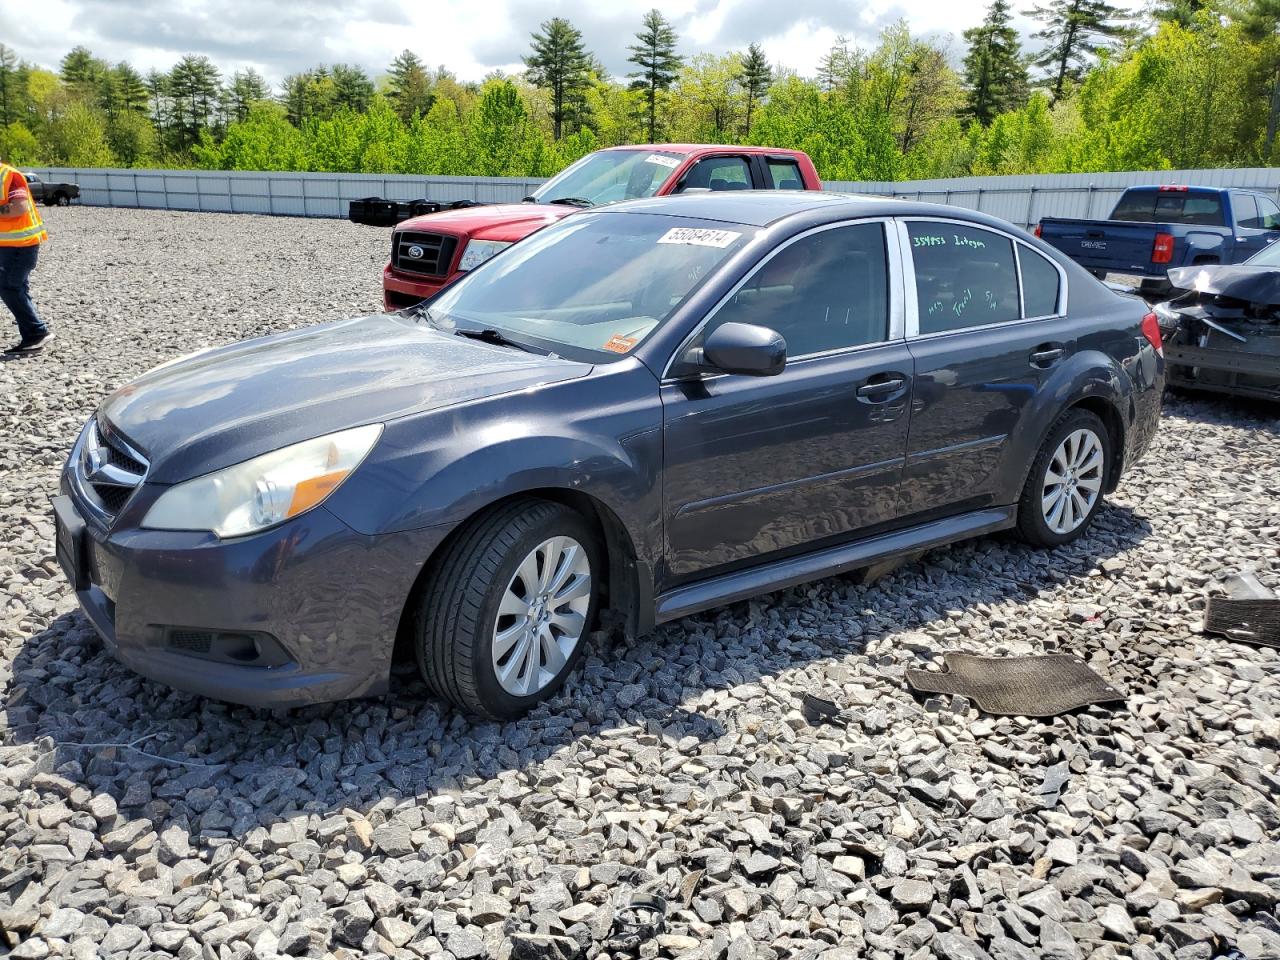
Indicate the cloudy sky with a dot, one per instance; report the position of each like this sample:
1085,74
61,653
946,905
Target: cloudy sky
471,37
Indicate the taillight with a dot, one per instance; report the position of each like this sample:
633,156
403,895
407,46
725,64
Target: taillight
1162,249
1170,188
1039,230
1151,330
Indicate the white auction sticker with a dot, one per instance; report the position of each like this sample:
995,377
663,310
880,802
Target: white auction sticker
660,160
699,237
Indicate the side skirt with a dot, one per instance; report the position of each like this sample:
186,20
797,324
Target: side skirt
741,584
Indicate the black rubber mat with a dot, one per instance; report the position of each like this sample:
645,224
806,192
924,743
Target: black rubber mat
1249,613
1018,686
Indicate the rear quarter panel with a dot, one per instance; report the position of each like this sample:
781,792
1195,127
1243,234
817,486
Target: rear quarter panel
1112,362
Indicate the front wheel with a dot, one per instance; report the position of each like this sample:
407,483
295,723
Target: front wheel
505,615
1064,489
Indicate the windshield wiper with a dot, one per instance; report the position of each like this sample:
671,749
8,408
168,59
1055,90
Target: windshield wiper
489,335
573,201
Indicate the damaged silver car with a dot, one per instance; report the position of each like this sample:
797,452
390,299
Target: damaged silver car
1222,329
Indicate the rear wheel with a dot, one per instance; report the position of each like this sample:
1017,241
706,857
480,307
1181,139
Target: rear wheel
1064,489
505,615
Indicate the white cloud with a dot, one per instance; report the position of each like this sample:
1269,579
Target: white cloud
470,37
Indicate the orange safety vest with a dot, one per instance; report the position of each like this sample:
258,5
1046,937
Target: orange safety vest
24,228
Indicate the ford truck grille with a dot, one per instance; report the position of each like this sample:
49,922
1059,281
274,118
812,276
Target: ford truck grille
107,470
428,254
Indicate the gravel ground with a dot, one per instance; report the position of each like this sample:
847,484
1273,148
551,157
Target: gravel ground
140,822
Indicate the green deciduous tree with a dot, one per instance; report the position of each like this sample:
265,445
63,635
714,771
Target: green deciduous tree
78,138
995,71
658,64
560,64
18,145
131,138
499,129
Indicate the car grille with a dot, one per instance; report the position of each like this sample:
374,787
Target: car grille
428,254
108,471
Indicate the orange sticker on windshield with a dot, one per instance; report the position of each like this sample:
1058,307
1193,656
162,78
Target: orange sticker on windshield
620,344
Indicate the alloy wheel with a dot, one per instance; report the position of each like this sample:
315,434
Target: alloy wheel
1072,481
542,616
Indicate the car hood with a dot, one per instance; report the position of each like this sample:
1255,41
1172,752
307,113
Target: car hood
230,404
1255,284
502,221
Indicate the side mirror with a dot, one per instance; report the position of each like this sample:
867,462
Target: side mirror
746,349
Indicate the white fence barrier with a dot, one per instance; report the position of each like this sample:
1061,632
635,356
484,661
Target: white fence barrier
1019,199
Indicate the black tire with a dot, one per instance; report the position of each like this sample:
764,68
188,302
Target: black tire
1032,525
455,619
64,199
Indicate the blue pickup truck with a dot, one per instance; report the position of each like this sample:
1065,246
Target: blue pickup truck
1155,229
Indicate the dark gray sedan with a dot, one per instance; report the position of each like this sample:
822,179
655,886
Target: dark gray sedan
630,416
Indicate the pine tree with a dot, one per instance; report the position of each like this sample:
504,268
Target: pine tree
409,86
1075,30
247,87
13,86
161,106
756,77
352,87
132,89
655,55
559,63
1181,12
995,71
193,90
82,71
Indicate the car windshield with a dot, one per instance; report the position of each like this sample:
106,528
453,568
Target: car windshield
1266,257
591,287
609,176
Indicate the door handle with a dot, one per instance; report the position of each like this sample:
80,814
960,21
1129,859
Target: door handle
1046,355
877,389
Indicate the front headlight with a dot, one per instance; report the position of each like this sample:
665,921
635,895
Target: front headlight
266,490
478,251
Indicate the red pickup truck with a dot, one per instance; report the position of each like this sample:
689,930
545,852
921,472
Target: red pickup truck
429,252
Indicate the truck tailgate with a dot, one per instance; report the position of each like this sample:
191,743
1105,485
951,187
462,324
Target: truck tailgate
1114,246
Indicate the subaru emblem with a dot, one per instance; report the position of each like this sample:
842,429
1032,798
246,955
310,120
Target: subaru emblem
416,252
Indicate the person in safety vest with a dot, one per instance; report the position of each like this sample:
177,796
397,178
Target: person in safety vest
21,233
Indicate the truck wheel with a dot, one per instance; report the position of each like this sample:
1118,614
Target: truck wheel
63,199
505,615
1064,488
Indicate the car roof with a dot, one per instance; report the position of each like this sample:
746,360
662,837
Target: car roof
689,148
759,208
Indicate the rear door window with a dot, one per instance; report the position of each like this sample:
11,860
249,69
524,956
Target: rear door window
718,173
1245,210
1260,214
1268,214
785,174
965,276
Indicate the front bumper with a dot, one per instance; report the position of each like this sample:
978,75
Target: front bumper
326,601
1244,370
400,291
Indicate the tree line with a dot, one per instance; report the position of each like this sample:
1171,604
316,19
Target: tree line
1194,84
